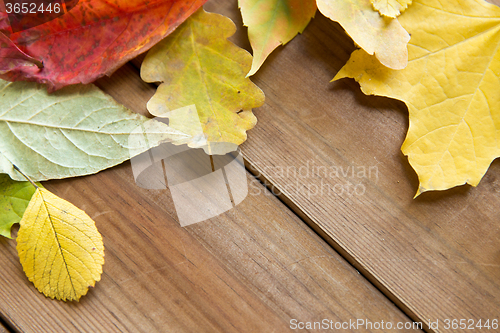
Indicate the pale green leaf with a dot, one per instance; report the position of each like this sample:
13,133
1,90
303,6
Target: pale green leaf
75,131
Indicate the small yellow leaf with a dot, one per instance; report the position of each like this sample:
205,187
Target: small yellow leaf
59,246
451,87
198,66
390,8
380,36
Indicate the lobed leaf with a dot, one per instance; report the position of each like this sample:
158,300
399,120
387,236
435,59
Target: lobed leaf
198,66
450,86
381,36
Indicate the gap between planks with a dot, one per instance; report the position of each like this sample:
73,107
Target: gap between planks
417,258
128,74
136,62
251,269
4,328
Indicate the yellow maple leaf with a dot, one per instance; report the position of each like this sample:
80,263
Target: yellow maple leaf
381,36
451,87
59,247
198,66
390,8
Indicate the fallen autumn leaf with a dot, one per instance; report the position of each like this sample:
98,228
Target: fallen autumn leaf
93,39
59,247
198,66
450,86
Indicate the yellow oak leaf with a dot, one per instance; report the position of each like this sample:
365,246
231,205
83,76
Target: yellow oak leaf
59,247
199,67
390,8
381,36
451,87
273,23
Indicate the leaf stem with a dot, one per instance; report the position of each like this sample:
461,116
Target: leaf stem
25,176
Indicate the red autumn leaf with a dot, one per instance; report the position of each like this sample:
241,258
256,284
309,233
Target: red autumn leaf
4,20
92,39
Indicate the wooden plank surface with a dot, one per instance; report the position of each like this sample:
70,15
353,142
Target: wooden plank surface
436,256
252,269
256,267
3,329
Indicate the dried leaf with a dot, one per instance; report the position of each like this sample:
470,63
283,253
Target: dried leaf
198,66
59,247
93,39
76,131
273,23
384,37
390,8
14,198
450,86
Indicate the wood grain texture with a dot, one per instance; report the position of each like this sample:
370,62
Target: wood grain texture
436,256
252,269
3,329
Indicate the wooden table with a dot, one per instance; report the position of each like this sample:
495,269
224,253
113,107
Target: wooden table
304,255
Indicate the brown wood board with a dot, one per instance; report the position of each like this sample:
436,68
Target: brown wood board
252,269
438,255
423,253
3,329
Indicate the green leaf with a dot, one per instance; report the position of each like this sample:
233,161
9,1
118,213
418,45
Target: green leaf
198,66
14,198
76,131
272,23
